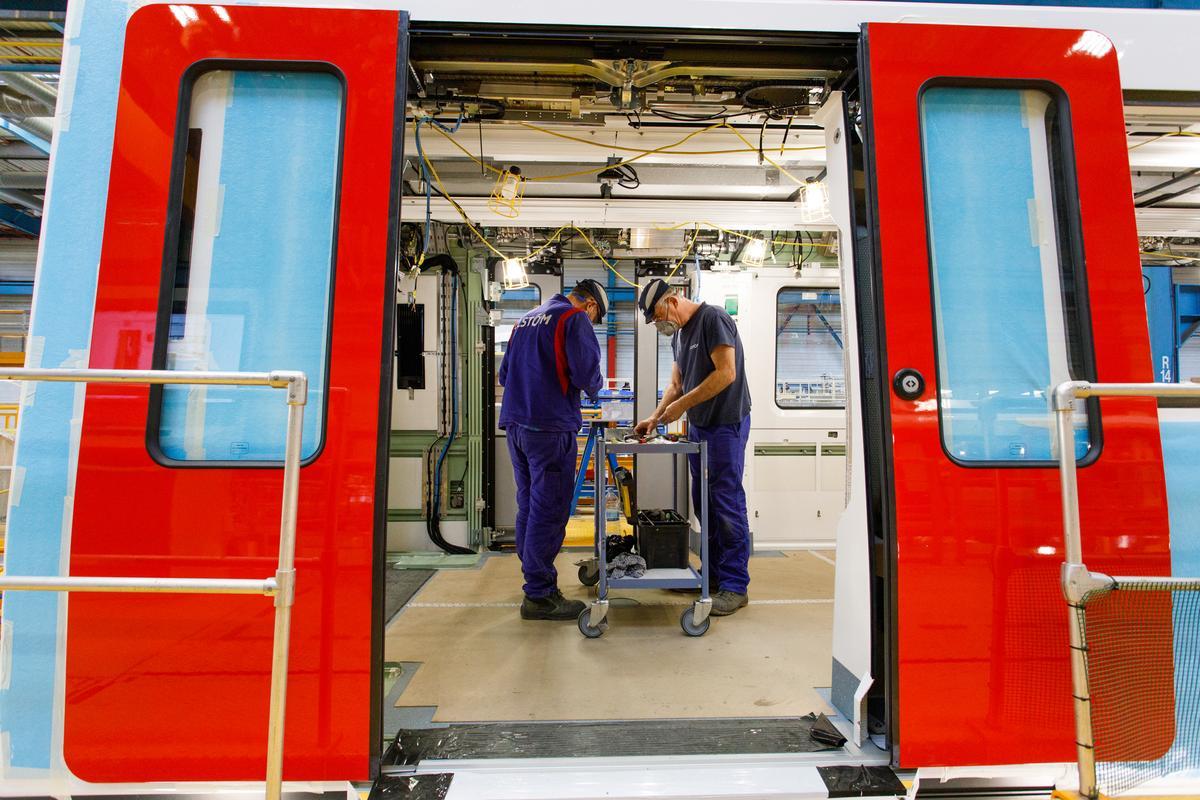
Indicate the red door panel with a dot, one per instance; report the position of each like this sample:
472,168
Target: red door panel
982,642
175,687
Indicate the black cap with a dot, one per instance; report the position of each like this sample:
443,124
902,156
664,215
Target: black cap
594,290
652,292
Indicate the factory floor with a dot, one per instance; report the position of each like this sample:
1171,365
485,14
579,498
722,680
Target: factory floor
460,652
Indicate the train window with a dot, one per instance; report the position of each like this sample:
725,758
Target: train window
1008,283
251,280
809,368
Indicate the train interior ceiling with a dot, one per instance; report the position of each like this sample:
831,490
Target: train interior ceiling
684,159
721,164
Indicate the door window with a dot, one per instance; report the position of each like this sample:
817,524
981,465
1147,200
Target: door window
252,275
1007,281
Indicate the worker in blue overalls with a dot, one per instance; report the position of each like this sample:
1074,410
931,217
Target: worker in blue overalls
708,383
552,356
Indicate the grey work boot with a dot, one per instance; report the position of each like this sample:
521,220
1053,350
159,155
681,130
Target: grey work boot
554,606
726,602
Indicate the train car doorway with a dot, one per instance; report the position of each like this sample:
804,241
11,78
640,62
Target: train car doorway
806,185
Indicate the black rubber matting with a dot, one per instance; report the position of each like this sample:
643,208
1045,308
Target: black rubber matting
862,782
411,787
400,587
671,737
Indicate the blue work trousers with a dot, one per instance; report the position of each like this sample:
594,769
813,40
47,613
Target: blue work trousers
544,469
728,526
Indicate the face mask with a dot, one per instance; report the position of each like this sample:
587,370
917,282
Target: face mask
666,327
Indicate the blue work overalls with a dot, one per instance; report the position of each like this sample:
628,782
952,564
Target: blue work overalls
552,356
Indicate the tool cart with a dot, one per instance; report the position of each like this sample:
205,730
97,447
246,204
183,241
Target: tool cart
593,621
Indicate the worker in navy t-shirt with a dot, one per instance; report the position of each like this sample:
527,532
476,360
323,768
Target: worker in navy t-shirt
708,383
552,356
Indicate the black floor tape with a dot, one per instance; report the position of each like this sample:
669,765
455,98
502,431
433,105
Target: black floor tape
411,787
862,782
604,739
400,587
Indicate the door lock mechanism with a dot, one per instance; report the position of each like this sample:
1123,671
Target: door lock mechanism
909,384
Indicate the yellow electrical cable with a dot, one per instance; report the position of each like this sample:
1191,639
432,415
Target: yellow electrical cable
554,237
1168,255
577,173
683,257
621,163
761,153
668,149
467,220
780,242
603,259
1164,136
457,208
467,152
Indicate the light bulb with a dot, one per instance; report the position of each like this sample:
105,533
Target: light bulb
814,202
513,274
755,252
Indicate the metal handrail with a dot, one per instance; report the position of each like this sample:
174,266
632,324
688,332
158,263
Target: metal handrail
281,586
1077,581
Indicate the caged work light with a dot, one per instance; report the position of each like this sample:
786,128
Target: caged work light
814,202
507,194
755,252
513,275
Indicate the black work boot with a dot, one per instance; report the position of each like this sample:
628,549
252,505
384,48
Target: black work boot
553,606
726,602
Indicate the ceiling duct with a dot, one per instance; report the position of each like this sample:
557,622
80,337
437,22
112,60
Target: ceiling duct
654,239
20,106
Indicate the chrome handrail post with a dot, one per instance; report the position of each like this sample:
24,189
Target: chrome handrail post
281,586
297,396
1085,751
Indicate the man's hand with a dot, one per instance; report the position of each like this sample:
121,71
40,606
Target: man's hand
646,426
672,413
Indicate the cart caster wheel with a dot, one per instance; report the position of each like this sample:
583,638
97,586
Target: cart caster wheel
589,574
690,627
585,627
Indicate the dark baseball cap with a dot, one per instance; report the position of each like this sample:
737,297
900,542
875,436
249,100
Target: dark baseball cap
594,290
652,292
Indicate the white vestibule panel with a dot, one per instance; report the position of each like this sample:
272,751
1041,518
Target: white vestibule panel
417,410
851,676
405,479
795,457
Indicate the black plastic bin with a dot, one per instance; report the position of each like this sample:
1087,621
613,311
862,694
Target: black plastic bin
662,536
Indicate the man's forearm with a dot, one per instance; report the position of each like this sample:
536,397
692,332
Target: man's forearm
670,395
710,387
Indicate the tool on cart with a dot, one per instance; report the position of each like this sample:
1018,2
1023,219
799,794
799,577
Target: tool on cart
662,537
616,544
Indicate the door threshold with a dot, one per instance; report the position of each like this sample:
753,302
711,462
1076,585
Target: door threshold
640,739
801,776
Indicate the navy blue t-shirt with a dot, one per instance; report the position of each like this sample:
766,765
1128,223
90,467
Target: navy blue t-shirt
711,327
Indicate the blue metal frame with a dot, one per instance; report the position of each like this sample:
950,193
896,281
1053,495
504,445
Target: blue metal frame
595,432
1164,327
21,221
24,135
